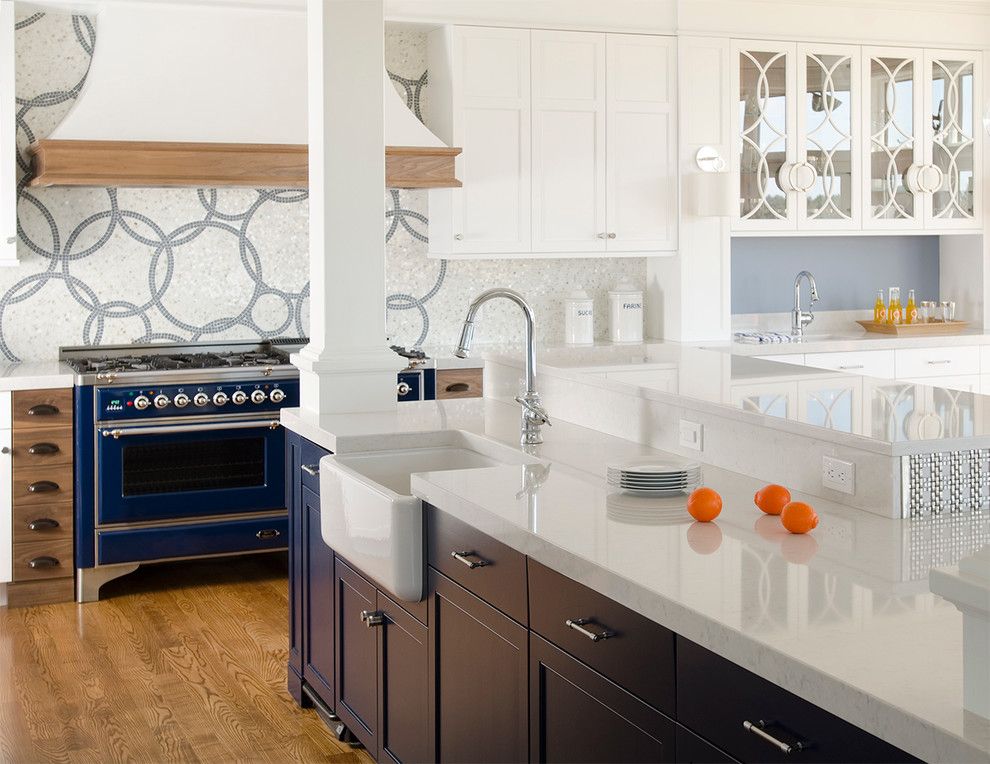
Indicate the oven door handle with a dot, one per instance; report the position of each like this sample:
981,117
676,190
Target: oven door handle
272,424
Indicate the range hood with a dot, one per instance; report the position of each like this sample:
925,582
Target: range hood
203,95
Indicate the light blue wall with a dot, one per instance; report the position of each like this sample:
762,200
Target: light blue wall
849,270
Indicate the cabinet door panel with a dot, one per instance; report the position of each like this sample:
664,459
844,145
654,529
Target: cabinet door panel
568,141
356,655
404,686
8,143
479,664
893,115
318,653
763,77
491,92
641,143
620,727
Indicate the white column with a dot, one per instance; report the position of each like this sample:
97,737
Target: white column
347,365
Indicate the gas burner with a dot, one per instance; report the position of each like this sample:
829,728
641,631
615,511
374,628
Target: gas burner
413,354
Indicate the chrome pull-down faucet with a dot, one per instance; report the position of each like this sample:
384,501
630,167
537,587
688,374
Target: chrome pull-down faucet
534,416
800,319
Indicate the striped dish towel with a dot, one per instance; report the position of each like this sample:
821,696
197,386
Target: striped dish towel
763,338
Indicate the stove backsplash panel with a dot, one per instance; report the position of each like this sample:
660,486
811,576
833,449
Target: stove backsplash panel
111,266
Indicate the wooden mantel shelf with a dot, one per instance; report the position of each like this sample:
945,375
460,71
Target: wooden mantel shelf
152,164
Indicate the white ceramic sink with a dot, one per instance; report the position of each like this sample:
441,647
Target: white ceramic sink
371,519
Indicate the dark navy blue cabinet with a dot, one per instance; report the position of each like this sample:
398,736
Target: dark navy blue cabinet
311,603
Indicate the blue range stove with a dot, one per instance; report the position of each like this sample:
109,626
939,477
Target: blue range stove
178,453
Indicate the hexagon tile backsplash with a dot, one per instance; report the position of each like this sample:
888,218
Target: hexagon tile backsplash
103,266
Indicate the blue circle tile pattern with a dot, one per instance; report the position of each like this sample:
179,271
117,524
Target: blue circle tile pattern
62,254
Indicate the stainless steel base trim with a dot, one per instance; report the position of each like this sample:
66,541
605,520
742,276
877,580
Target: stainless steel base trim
89,580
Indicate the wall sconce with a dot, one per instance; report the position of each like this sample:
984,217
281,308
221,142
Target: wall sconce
711,190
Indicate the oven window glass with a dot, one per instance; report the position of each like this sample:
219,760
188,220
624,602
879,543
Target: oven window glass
206,465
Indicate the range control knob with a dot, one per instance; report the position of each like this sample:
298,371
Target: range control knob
258,396
238,397
277,395
181,400
161,401
219,399
201,399
141,402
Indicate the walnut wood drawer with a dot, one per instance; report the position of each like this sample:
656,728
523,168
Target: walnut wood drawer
42,559
42,408
42,485
42,447
43,522
485,567
628,648
717,698
459,383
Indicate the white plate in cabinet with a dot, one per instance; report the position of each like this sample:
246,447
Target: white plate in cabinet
937,362
869,363
480,101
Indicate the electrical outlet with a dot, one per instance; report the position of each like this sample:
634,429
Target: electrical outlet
838,474
691,435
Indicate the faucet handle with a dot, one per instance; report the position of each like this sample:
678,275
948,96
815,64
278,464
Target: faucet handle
535,409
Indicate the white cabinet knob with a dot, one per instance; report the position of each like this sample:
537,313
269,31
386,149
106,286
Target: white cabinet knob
611,236
458,236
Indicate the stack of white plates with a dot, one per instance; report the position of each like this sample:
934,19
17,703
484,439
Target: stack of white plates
654,476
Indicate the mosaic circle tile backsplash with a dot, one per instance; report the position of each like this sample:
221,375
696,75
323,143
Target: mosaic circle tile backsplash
108,266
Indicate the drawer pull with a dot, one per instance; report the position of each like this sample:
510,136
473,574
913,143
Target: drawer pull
465,557
939,363
43,409
43,563
5,450
457,387
311,469
43,486
268,534
851,367
43,449
372,618
42,524
578,625
759,729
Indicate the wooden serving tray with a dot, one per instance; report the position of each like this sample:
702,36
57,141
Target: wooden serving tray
916,330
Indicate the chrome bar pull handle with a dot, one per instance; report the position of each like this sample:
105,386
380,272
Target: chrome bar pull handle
578,625
939,363
372,618
465,557
759,729
311,469
851,367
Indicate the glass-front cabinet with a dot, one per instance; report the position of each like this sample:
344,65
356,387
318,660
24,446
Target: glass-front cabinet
844,137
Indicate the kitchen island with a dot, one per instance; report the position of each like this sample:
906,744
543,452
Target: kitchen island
844,618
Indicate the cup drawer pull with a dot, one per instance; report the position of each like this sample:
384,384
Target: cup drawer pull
43,449
759,729
268,534
43,563
42,524
470,559
43,409
457,387
578,625
43,486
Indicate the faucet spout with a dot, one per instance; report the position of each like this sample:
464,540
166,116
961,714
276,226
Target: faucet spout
533,413
800,319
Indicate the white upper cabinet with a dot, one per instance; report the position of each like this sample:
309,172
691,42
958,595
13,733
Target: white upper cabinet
480,100
641,145
8,146
844,137
568,78
570,153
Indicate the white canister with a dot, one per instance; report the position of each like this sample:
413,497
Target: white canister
579,318
625,304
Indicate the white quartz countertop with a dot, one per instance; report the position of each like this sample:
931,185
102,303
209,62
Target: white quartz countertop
844,341
843,617
34,375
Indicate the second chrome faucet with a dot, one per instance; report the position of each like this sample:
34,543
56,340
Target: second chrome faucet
799,318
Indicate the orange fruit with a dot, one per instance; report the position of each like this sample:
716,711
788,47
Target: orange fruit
772,498
799,517
704,504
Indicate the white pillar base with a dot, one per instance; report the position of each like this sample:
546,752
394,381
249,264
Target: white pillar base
348,382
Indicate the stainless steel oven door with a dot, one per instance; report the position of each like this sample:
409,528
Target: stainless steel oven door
178,471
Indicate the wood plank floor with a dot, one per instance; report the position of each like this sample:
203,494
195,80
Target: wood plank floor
180,662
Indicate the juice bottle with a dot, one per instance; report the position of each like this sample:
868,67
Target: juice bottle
911,310
879,309
894,306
